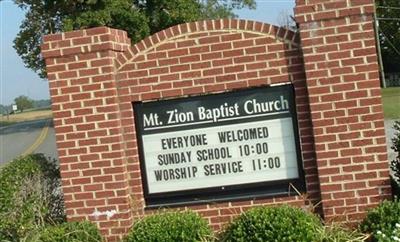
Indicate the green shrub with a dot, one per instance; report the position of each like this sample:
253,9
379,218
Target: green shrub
395,164
30,197
170,227
394,236
383,219
395,186
280,224
70,232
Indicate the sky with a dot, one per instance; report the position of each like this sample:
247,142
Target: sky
16,80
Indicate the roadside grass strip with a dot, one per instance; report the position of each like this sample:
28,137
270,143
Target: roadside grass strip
391,102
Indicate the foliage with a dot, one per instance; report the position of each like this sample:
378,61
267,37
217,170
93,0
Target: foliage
23,102
30,197
339,233
37,104
389,26
42,103
394,236
113,13
283,223
138,17
286,20
170,227
4,109
395,164
70,231
383,219
395,186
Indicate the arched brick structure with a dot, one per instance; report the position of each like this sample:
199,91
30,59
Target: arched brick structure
211,57
95,75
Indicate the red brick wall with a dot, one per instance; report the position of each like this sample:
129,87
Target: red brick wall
95,74
339,49
87,122
211,57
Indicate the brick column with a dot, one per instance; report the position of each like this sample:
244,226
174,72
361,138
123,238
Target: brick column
345,100
90,143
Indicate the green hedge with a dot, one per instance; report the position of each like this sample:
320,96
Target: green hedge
382,220
170,227
395,187
395,164
30,197
280,224
70,232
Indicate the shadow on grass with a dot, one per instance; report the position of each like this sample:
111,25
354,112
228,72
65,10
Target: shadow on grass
27,126
6,123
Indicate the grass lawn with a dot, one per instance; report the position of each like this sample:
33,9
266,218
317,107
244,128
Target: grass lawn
25,116
391,102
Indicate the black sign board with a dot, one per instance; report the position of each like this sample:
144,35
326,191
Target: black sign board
235,145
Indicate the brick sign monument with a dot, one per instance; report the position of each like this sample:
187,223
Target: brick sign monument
219,116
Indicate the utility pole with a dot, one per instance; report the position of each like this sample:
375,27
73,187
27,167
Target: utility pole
378,46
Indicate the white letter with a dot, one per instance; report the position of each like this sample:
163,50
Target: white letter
245,107
284,104
152,120
202,115
170,117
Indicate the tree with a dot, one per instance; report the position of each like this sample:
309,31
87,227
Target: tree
388,12
286,20
3,109
139,18
23,102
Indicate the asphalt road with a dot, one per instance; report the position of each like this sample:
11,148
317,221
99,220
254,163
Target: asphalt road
27,137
